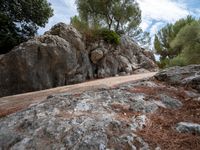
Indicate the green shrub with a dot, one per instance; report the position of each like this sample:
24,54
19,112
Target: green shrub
177,61
79,25
163,63
110,36
95,32
90,33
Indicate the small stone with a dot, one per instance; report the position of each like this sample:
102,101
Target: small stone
187,127
50,96
96,55
170,103
138,122
56,111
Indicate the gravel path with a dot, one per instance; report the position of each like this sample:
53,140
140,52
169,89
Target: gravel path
11,104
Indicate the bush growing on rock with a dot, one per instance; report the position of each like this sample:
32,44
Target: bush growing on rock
90,33
78,24
114,15
110,36
96,32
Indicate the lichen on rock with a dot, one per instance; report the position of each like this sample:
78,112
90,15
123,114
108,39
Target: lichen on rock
132,115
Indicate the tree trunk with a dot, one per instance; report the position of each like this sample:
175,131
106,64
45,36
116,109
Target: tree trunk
117,27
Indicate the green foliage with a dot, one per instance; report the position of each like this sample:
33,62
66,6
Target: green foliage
110,36
79,24
188,40
115,15
177,61
178,43
123,17
163,63
20,20
95,33
143,38
91,33
166,35
157,46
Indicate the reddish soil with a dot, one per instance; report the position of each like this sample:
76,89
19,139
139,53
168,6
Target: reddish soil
160,130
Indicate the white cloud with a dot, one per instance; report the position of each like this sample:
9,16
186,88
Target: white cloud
155,28
63,11
162,10
156,13
145,24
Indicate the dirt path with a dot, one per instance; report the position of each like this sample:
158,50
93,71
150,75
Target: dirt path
15,103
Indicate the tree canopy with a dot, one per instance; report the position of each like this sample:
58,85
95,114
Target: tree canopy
121,16
20,19
188,41
118,15
164,39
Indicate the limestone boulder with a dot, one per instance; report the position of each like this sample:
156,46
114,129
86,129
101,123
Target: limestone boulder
68,33
96,55
44,62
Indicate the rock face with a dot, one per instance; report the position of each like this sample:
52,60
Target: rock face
61,57
93,120
41,63
186,76
103,119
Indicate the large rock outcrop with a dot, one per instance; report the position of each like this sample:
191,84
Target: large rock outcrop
45,62
61,57
144,115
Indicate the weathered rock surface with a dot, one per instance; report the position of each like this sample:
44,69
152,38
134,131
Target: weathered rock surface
92,120
103,119
96,55
169,102
61,57
69,34
45,62
186,76
185,127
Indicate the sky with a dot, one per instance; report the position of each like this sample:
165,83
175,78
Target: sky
155,13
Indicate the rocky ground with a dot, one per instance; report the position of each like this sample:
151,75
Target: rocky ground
162,112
